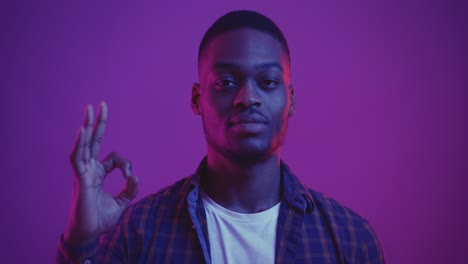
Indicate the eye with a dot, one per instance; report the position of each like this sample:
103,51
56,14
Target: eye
269,83
226,83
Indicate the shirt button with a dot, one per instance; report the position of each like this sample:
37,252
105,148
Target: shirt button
87,261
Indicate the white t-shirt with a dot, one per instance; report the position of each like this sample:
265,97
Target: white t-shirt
240,238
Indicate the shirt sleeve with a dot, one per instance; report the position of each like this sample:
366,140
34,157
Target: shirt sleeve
86,253
369,248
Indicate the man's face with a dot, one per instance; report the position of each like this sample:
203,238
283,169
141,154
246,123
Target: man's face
244,95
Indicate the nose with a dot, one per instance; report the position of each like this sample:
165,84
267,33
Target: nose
247,95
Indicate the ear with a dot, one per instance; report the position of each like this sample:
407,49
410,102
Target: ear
292,106
195,100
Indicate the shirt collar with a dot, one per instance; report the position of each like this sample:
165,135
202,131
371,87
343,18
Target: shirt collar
293,190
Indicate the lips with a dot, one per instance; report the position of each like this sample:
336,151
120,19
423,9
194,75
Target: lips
248,119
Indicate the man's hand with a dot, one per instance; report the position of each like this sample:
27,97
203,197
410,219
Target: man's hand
93,211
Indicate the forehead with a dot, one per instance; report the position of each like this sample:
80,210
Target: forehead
244,47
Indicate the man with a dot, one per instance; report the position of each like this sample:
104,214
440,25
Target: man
243,204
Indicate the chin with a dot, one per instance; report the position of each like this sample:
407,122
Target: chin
246,149
249,157
251,152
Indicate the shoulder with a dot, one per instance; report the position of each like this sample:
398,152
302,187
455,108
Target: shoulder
162,202
152,216
349,226
334,209
340,215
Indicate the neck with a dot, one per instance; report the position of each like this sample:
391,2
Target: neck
243,187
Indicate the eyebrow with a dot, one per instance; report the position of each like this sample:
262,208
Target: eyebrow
234,66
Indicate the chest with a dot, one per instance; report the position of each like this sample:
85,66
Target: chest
294,239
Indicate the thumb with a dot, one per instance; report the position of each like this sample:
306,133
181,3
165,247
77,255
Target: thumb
129,192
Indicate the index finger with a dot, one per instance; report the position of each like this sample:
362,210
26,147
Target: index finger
98,131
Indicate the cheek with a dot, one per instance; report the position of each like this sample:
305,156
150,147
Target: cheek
280,113
214,107
280,106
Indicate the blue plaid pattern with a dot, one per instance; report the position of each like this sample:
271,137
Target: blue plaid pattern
170,227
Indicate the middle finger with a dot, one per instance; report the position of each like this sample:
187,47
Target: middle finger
88,126
98,131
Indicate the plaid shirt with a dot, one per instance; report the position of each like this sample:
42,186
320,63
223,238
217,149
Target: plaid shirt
170,227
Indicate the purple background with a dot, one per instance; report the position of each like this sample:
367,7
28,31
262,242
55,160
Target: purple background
381,119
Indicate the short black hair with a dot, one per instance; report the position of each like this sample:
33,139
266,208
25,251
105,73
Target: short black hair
243,19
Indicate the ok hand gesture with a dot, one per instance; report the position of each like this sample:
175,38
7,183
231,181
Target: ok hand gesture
93,211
